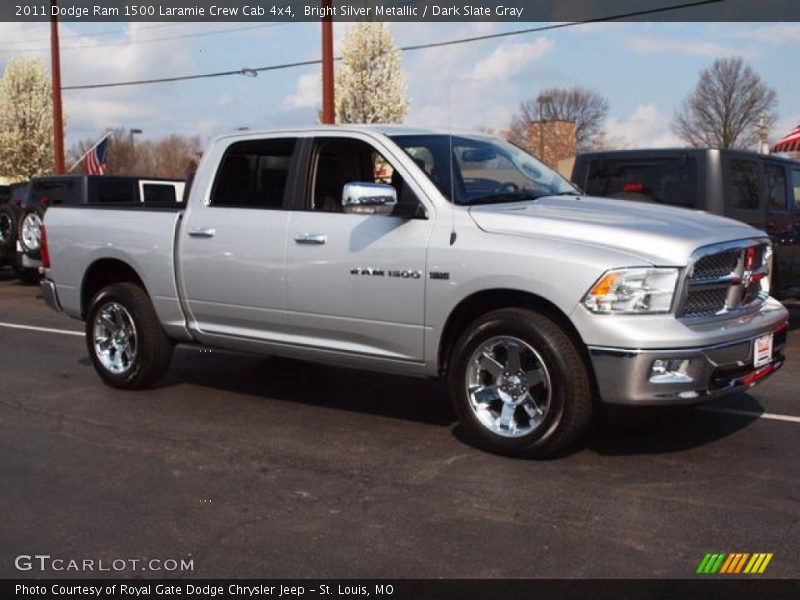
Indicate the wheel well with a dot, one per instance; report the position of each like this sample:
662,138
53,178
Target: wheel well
103,273
480,303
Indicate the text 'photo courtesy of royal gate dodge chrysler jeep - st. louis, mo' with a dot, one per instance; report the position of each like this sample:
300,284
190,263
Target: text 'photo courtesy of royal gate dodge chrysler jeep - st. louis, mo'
427,254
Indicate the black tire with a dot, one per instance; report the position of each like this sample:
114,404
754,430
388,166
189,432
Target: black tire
32,252
153,348
8,228
570,404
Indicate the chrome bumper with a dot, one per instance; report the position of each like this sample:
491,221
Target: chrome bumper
50,294
624,375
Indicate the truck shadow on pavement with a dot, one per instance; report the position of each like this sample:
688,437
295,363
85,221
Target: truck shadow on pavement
284,379
626,431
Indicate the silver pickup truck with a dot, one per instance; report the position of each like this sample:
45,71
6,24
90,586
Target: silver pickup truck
428,254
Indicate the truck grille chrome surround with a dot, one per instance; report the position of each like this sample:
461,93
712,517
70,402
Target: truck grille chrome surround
724,279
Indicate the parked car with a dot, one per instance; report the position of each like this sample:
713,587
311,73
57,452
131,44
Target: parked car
68,190
7,226
761,190
428,254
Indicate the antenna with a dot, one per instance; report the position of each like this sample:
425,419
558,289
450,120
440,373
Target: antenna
451,158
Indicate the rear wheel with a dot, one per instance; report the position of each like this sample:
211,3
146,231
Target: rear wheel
520,384
124,337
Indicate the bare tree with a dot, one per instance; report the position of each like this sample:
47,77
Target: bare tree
173,156
724,109
586,108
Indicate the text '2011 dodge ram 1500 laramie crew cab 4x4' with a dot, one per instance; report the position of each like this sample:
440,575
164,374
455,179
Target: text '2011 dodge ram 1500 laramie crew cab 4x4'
429,254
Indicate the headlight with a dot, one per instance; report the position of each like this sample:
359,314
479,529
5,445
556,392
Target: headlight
633,291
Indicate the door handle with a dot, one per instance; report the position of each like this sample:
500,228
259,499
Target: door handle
202,233
315,239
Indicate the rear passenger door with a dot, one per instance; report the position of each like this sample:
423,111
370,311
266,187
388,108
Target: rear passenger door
233,243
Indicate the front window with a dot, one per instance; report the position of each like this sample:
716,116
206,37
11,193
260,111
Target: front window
478,170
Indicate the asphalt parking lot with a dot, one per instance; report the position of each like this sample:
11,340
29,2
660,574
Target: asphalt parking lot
274,468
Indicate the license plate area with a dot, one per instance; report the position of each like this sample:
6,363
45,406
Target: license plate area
762,350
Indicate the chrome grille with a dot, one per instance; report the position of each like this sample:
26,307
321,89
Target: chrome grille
725,278
717,265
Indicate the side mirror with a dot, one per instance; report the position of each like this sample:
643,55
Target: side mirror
364,198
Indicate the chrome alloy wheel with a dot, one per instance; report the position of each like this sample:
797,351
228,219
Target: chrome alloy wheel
508,386
31,232
114,338
5,227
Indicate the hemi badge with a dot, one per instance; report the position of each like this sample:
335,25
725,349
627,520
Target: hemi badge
440,275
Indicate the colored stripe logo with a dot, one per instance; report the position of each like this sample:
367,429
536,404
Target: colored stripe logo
733,563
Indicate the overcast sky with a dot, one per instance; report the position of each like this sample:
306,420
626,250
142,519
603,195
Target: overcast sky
645,70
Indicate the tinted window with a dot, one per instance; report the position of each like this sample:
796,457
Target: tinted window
155,193
665,181
342,160
775,179
254,174
59,191
5,193
744,184
796,186
109,190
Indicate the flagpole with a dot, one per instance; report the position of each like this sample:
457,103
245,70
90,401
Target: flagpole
85,154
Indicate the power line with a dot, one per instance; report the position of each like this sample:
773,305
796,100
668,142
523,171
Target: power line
72,36
151,40
409,48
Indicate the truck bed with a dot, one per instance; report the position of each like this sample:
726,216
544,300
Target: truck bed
139,235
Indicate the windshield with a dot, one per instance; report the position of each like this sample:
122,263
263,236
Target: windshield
484,170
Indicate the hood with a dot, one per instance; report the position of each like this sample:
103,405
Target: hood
662,235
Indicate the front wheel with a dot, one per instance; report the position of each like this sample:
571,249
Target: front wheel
124,337
519,384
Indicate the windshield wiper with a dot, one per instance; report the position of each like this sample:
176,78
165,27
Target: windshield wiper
569,193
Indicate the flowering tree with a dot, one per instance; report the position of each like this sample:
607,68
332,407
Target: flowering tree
370,86
26,123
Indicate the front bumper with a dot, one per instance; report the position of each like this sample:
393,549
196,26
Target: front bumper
50,294
624,375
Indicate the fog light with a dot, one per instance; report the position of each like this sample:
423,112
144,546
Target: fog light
670,371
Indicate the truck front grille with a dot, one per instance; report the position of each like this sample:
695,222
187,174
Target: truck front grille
725,278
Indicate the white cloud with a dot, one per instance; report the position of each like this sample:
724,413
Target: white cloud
775,34
510,60
663,45
646,127
307,93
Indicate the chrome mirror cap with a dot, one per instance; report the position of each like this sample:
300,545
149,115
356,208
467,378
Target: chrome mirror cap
364,198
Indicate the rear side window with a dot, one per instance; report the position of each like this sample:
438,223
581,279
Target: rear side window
670,181
743,180
254,174
55,192
796,186
5,194
155,193
775,179
108,190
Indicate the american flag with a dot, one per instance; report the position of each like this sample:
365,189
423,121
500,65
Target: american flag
791,143
96,159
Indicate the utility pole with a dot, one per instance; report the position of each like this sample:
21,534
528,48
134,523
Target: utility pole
328,104
55,70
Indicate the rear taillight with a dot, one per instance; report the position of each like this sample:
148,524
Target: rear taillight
633,187
45,253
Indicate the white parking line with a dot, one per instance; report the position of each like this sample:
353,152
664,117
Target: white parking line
43,329
750,413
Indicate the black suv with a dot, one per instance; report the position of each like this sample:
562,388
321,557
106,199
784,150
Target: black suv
761,190
66,190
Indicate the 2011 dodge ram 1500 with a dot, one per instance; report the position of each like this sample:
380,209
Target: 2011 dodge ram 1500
429,254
